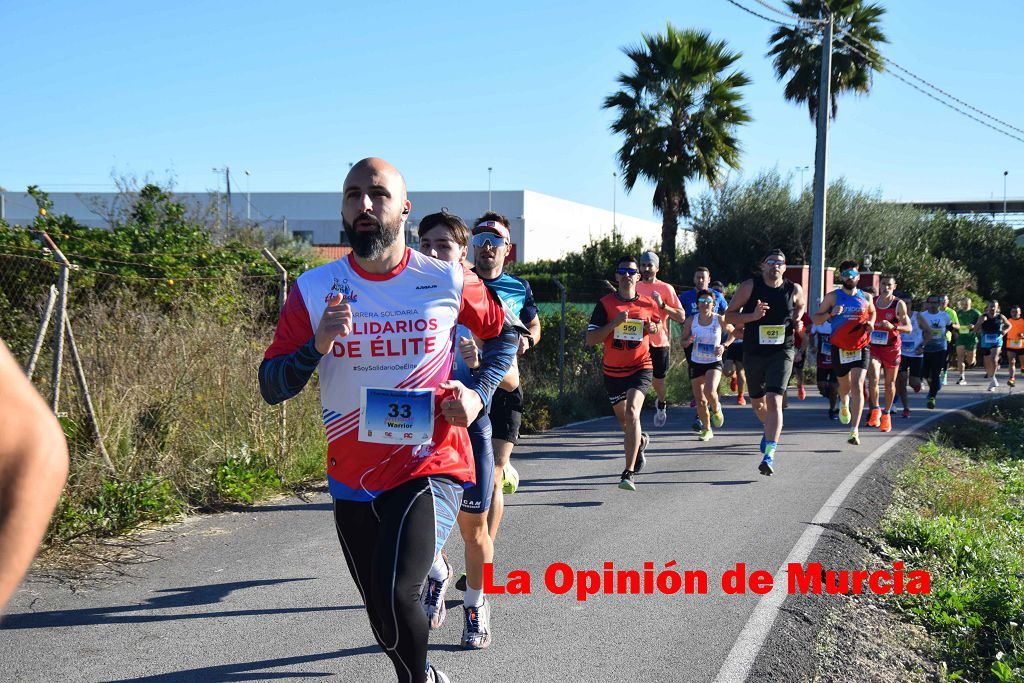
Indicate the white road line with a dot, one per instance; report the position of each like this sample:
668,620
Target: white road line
740,659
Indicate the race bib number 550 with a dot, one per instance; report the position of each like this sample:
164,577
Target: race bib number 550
396,416
629,330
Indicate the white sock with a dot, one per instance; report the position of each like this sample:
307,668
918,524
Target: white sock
438,570
474,597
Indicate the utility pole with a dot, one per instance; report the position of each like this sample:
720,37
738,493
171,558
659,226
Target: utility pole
227,182
817,292
3,206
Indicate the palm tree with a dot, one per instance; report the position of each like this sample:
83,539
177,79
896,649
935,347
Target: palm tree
677,111
797,51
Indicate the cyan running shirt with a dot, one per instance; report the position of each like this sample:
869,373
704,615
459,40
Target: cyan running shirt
515,292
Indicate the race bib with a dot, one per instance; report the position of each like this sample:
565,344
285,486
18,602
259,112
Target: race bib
629,330
991,339
771,335
879,337
403,417
704,353
850,356
1015,343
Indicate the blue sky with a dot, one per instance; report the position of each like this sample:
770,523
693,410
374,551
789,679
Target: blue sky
292,93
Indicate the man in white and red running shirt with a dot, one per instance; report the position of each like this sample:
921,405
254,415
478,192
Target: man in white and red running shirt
379,326
665,296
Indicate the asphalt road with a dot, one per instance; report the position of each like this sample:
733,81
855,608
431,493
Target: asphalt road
263,594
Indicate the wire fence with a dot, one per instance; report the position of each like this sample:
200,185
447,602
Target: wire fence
154,375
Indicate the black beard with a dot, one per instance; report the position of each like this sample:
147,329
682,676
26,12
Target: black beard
371,245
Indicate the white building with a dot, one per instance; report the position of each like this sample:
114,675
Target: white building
542,226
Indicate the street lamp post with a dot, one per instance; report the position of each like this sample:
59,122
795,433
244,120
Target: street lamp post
489,170
1005,173
802,170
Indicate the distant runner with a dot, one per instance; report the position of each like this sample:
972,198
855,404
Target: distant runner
703,334
688,299
952,332
911,358
828,383
664,295
990,329
936,324
967,340
1014,347
891,320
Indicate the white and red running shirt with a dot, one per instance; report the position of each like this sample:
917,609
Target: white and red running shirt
403,326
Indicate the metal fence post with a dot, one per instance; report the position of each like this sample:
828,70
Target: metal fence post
58,327
83,387
44,324
282,295
561,340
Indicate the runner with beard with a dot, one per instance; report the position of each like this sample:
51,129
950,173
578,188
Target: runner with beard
838,307
770,308
379,326
664,295
885,347
491,240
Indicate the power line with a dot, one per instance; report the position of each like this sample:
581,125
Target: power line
886,60
934,97
761,16
928,83
788,15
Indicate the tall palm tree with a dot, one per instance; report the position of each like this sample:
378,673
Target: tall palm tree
677,110
797,51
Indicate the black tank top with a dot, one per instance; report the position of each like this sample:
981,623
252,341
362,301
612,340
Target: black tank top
993,325
780,313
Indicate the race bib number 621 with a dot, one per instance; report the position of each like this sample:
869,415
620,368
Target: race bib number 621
771,335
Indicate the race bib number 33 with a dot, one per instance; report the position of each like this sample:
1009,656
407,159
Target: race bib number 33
629,330
402,417
879,337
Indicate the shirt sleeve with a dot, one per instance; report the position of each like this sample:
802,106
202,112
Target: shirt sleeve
599,318
722,306
529,310
673,299
291,358
480,310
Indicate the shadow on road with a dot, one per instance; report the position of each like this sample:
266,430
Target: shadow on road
182,597
251,671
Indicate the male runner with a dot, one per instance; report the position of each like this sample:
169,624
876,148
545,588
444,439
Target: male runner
445,236
891,320
491,240
828,385
967,340
379,325
1014,347
951,336
990,327
664,295
624,322
688,300
935,323
911,357
838,306
770,309
33,469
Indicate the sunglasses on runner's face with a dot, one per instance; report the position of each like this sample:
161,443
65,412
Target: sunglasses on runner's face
626,271
849,274
489,239
775,261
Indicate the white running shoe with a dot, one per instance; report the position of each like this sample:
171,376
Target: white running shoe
476,632
660,417
962,381
432,597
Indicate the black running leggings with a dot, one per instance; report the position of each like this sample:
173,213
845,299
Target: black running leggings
389,545
934,364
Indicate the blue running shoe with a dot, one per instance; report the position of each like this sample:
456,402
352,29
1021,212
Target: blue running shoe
767,466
